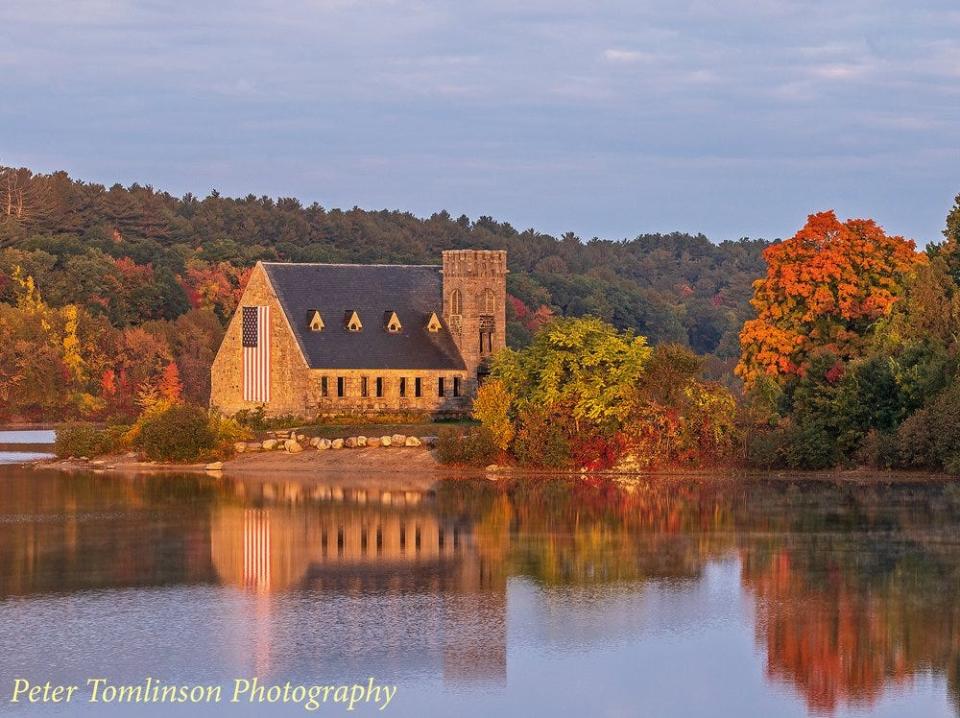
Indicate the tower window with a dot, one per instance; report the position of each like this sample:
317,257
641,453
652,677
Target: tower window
487,301
340,386
456,302
379,386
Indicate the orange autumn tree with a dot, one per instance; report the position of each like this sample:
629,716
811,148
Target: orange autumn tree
825,288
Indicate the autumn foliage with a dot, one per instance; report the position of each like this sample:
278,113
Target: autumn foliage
825,287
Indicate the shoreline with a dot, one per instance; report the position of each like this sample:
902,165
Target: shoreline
420,462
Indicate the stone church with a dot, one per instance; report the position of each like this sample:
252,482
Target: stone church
328,339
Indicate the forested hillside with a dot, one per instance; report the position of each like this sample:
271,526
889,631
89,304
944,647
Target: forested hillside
137,257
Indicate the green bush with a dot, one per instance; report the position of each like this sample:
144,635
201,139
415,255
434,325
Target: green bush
916,443
179,433
878,450
79,439
473,447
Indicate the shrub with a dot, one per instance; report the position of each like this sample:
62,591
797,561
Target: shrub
475,447
878,450
78,439
596,452
915,442
177,433
542,440
763,447
492,409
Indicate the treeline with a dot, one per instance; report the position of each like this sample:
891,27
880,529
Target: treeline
135,254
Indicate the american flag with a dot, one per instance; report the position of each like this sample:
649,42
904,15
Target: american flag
256,354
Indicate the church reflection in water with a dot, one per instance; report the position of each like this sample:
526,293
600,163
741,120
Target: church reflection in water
850,590
363,541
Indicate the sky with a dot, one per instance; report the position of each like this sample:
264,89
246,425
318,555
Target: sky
607,118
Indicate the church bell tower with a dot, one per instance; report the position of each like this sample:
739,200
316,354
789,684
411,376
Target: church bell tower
474,303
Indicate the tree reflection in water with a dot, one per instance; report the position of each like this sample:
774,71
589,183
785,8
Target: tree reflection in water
853,587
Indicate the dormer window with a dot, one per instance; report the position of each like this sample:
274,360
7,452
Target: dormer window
352,321
392,322
434,324
315,321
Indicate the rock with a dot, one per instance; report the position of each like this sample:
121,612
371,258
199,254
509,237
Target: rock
315,441
323,444
215,466
350,442
493,467
84,458
301,438
397,439
254,446
269,444
336,444
385,441
412,441
292,446
361,441
240,447
131,455
98,462
373,441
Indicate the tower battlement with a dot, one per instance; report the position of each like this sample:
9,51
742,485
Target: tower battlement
474,263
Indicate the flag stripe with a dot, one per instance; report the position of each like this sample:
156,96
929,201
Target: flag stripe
256,354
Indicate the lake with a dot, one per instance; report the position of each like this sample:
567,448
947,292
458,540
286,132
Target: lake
476,598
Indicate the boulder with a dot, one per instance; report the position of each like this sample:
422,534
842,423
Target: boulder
269,444
315,441
240,447
323,444
215,466
412,441
361,441
373,441
385,441
350,442
254,446
336,444
397,440
301,438
292,446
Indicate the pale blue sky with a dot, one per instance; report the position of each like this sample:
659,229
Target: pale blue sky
606,118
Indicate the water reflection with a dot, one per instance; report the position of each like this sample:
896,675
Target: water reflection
849,592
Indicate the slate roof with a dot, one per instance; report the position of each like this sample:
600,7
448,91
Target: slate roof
336,290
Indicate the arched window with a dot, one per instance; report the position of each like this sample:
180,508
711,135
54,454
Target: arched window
456,302
487,301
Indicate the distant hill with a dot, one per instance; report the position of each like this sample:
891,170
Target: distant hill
136,254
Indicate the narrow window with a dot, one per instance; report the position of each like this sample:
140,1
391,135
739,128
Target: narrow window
363,386
379,386
440,386
403,386
456,386
324,388
481,342
340,386
417,387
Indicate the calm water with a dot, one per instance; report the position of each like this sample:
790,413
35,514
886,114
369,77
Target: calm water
479,599
18,446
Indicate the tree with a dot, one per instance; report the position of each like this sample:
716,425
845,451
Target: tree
584,364
825,289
